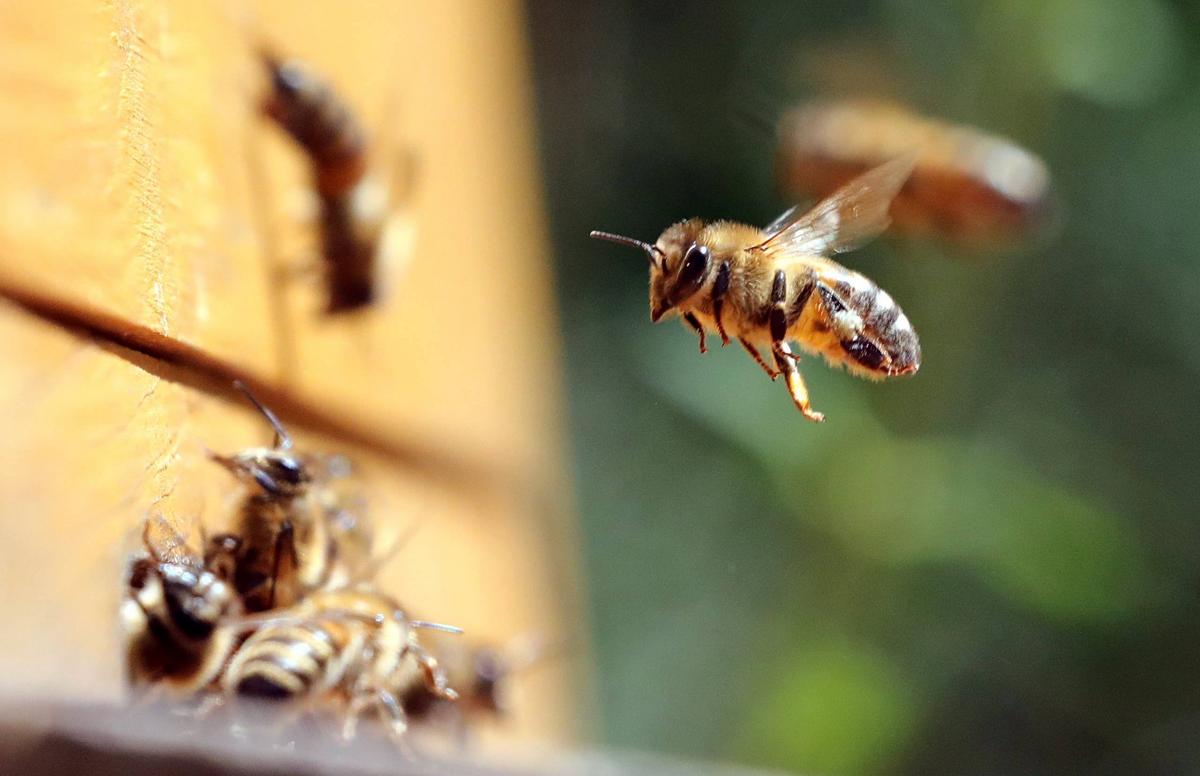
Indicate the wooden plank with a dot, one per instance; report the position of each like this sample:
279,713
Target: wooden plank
125,182
143,198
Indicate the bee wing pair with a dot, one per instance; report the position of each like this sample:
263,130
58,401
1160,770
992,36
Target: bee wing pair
847,219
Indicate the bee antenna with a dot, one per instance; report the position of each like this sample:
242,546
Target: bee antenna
436,626
282,440
651,250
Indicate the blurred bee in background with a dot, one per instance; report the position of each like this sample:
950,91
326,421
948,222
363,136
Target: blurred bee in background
481,674
768,286
300,528
363,230
174,608
968,187
355,646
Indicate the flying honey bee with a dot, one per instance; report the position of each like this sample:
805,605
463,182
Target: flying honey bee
355,646
173,613
969,187
362,232
294,531
768,286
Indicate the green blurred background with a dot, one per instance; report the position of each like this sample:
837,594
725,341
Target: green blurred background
988,568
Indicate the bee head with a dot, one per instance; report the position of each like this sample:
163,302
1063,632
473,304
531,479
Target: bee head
181,596
277,472
679,265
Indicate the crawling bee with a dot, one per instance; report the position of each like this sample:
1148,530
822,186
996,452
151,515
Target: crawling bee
477,672
174,609
355,645
359,233
969,187
294,530
480,672
768,286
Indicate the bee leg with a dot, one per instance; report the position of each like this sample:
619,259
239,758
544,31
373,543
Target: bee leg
786,362
720,286
397,720
778,322
778,318
784,359
720,326
797,309
435,677
758,359
695,324
285,542
358,706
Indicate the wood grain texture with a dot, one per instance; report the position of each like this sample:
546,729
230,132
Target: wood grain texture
140,186
125,175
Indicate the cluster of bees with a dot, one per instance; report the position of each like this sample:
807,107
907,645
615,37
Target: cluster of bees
871,166
284,607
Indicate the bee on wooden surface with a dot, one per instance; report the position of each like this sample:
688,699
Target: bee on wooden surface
361,230
768,286
354,645
294,530
173,611
968,187
480,672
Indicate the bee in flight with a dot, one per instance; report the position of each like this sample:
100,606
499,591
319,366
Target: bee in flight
969,188
766,287
481,672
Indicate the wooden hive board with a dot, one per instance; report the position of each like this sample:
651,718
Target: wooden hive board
146,211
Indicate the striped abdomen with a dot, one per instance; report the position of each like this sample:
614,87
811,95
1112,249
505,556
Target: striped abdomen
853,322
290,661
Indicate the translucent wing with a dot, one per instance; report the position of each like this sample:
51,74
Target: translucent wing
846,219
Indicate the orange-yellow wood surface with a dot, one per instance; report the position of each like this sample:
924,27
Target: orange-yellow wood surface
139,180
126,162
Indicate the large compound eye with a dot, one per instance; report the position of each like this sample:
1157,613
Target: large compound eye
291,471
695,266
280,474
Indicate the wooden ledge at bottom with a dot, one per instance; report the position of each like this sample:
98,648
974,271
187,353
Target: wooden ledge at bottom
153,741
